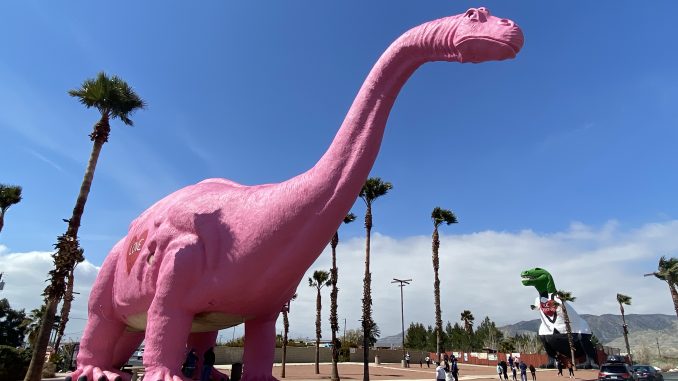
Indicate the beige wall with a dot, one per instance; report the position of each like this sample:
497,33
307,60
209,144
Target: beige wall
230,355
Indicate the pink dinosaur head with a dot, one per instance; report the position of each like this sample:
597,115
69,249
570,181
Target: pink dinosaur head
475,36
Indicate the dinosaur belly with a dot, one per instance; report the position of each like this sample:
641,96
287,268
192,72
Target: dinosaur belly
203,322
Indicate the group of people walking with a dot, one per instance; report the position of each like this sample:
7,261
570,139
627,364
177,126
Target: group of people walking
448,370
515,364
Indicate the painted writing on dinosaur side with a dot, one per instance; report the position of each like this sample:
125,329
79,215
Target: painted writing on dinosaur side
134,248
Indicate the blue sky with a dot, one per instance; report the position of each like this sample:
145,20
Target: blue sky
578,131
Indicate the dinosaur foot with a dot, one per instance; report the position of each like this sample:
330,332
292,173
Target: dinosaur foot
93,373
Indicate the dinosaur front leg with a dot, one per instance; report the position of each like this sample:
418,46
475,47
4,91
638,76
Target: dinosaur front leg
103,330
259,348
170,315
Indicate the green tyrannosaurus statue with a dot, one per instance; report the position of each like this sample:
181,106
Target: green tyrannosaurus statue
552,331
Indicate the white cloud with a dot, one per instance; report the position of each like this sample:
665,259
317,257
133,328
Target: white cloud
25,275
479,272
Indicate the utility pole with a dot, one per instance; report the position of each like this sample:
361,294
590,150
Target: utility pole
402,283
2,283
658,350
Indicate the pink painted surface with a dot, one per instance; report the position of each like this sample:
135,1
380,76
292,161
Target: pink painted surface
217,253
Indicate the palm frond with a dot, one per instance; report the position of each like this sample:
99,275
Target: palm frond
623,299
440,215
374,188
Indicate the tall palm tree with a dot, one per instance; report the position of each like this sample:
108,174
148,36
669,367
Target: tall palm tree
625,299
566,296
373,188
9,195
334,322
667,270
439,216
320,278
467,318
113,98
286,329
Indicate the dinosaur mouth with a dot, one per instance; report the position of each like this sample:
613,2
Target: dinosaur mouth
480,49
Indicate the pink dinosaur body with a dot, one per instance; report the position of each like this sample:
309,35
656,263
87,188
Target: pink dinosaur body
217,254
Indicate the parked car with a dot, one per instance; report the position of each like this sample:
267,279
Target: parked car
617,371
137,358
647,373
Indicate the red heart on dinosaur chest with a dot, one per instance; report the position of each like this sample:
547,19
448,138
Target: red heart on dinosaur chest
134,249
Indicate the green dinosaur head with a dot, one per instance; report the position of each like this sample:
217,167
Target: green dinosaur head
540,279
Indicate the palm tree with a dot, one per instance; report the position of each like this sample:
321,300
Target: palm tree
286,329
65,307
625,299
373,188
439,216
667,270
467,318
566,296
320,278
114,98
334,275
9,195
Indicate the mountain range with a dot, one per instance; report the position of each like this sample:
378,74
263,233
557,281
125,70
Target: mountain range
656,332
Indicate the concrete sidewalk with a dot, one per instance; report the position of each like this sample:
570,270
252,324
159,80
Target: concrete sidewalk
394,372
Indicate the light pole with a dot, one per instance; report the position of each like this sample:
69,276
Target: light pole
402,283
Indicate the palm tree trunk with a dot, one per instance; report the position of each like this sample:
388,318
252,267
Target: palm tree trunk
436,290
674,296
66,259
65,310
34,372
2,219
318,306
334,324
626,333
569,334
286,328
367,296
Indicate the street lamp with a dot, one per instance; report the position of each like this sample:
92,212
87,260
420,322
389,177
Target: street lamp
402,283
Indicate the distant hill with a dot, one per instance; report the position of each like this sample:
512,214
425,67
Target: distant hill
644,329
606,328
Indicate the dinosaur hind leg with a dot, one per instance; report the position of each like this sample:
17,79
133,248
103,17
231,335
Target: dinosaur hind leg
201,342
259,348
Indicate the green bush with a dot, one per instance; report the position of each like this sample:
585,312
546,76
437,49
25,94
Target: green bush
13,363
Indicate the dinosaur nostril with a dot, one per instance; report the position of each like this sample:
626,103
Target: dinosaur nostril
506,22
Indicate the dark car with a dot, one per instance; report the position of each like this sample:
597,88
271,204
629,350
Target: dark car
616,371
647,373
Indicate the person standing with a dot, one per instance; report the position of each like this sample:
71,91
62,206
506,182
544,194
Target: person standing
523,371
504,368
510,361
513,370
190,363
440,372
559,365
533,371
407,360
570,369
499,371
428,361
208,363
455,370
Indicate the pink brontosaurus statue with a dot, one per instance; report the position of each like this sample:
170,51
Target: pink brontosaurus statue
217,253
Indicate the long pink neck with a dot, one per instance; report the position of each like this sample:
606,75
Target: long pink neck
339,175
